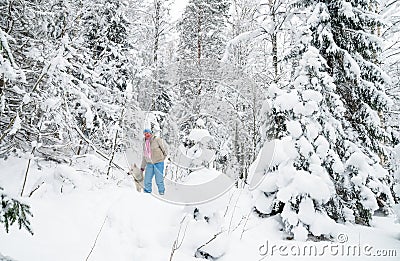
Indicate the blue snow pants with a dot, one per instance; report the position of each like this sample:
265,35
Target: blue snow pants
157,170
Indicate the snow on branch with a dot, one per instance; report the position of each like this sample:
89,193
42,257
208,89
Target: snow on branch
241,37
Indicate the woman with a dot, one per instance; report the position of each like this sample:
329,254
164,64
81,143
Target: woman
154,154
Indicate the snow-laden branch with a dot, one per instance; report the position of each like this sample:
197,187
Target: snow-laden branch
241,37
4,37
88,141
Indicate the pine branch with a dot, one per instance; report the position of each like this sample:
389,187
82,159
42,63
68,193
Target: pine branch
14,211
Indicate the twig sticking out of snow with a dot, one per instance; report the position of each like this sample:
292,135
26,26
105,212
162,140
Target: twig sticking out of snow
245,223
36,188
95,241
178,242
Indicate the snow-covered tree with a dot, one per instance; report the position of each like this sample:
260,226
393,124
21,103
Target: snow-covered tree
261,32
25,119
391,60
202,30
201,44
344,32
72,77
303,120
103,73
9,74
201,38
334,131
151,31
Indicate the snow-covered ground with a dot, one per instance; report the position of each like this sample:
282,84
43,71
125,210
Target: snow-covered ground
95,218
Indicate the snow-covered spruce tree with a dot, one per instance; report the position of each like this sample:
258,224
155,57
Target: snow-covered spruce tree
102,68
344,32
304,124
79,69
391,60
26,118
358,184
54,139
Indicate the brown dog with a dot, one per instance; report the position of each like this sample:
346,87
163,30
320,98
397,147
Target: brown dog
137,175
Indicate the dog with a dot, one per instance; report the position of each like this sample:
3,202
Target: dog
137,175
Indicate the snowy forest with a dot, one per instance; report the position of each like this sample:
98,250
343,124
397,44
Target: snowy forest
281,119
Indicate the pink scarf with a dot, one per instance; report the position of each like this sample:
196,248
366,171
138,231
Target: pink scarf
147,149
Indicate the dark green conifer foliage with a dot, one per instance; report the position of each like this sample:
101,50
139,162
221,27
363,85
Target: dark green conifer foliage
12,211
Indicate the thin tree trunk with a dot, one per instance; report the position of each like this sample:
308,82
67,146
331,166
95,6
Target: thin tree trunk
199,24
275,56
79,148
30,159
157,6
115,143
113,152
274,42
27,171
198,84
